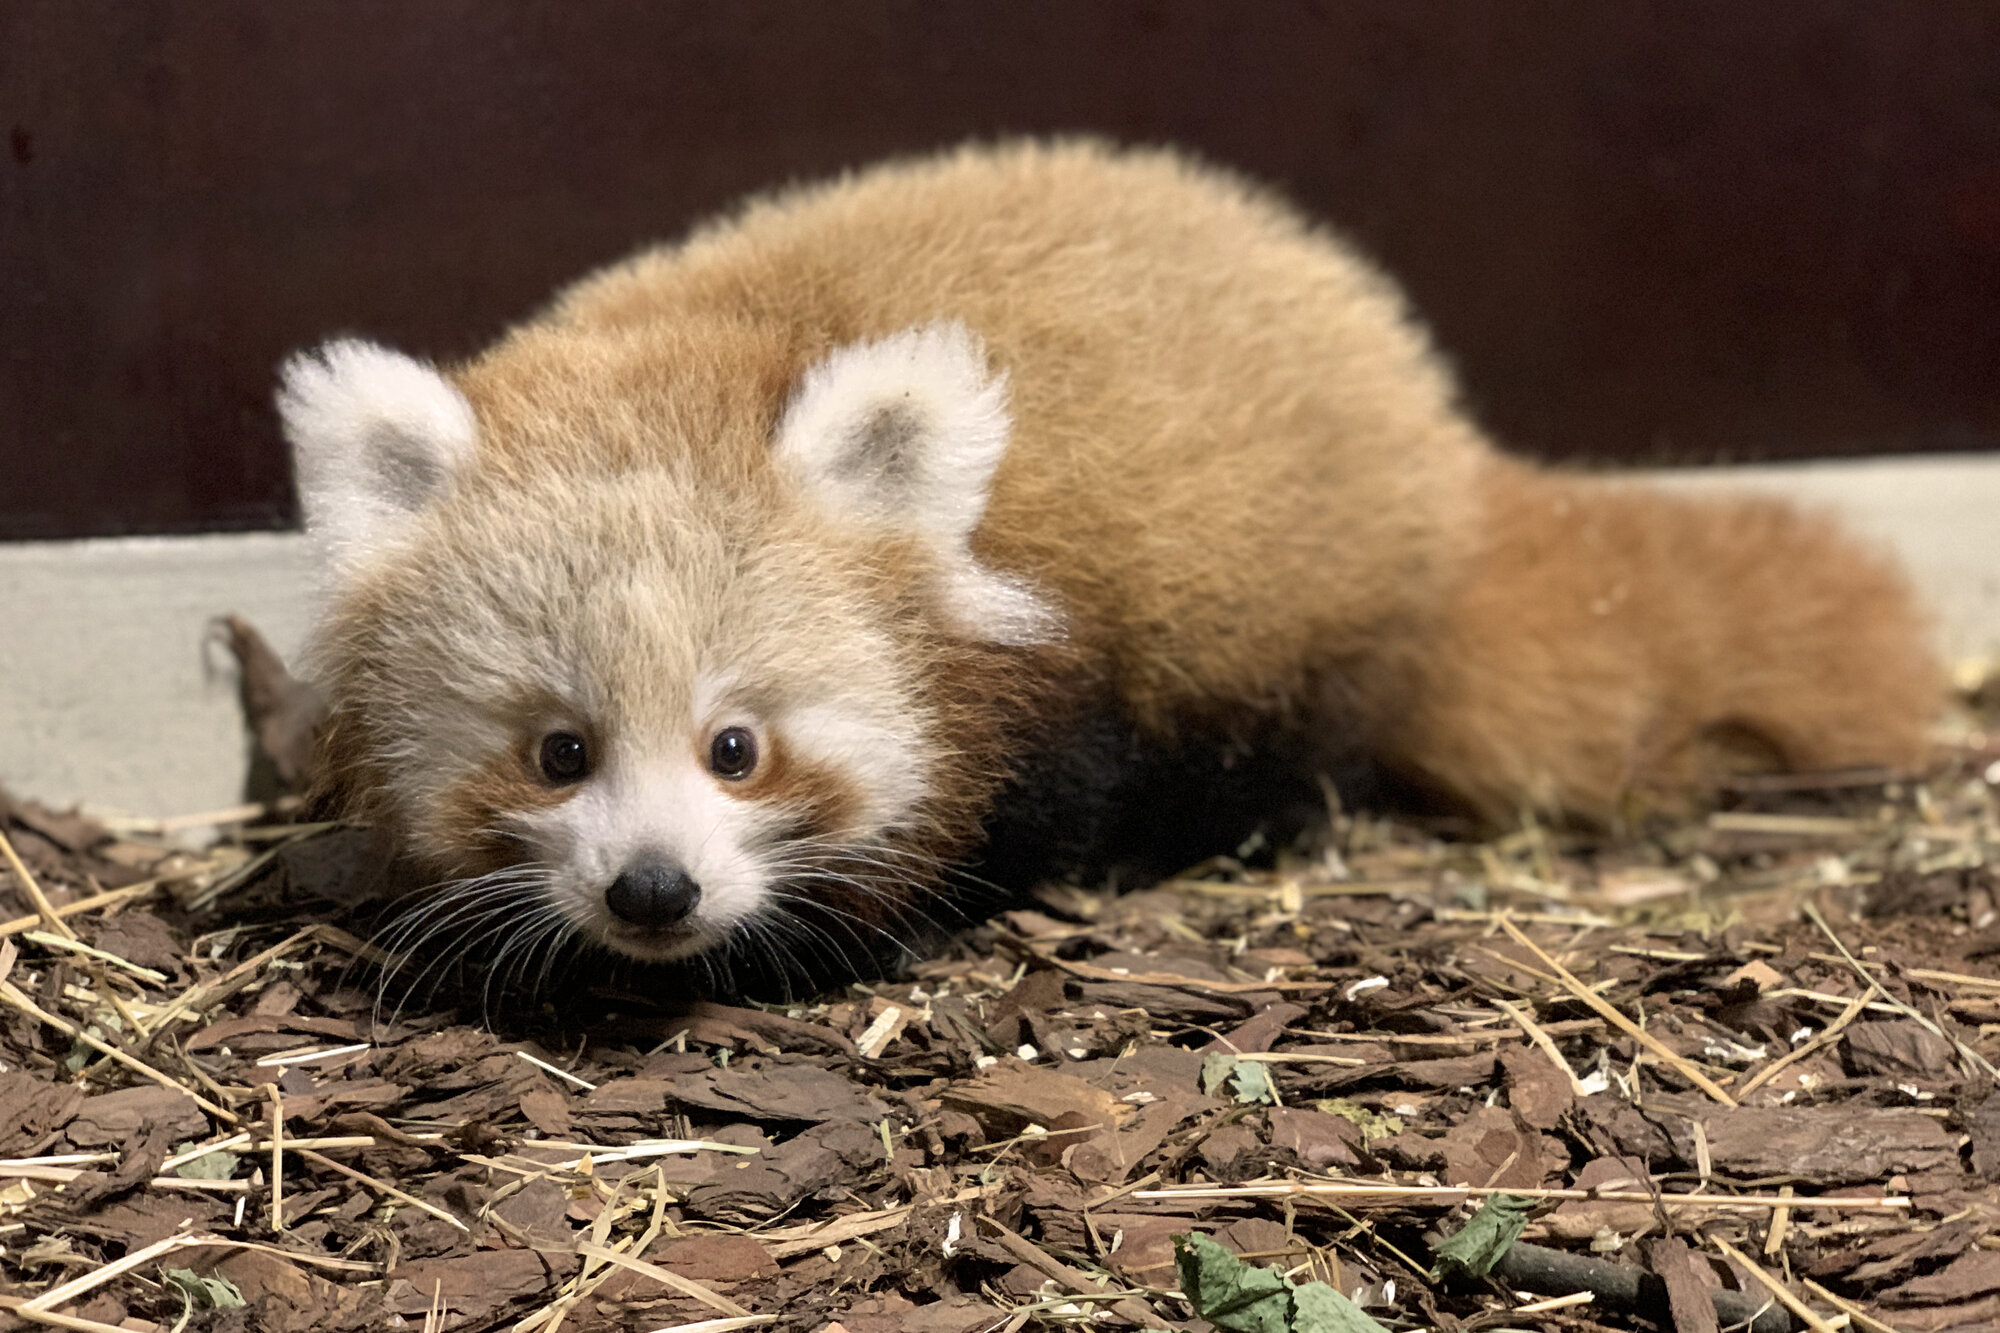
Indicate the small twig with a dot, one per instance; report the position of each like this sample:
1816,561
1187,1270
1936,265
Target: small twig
1543,1042
97,1277
686,1286
60,1159
1070,1279
1971,1056
1924,974
309,1055
63,1175
1823,997
636,1151
789,1242
1781,1222
241,1138
36,898
11,994
381,1186
1849,1308
1775,1287
1174,980
1451,1194
197,997
559,1073
277,1157
1616,1017
16,1306
1578,918
71,944
1827,1036
1797,826
1516,965
1495,1036
1626,1287
109,898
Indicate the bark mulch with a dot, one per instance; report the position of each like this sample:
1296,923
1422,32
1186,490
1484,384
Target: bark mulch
1748,1054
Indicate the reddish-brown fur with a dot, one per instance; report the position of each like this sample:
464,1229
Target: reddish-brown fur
1236,475
1607,644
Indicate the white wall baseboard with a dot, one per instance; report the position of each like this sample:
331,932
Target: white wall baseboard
1940,515
110,694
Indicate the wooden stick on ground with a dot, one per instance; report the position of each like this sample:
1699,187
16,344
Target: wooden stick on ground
1849,1308
1074,1280
1970,1056
97,1277
277,1157
380,1186
109,898
1827,1036
12,994
14,1305
1781,1222
673,1281
1449,1194
1778,1289
36,897
1544,1043
1616,1017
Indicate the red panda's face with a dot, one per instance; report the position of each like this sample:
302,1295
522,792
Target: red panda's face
650,705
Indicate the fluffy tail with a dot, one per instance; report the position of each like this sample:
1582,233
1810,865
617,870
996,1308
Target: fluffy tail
1611,648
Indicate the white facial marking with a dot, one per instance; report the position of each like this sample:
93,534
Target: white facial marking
711,693
665,810
998,608
376,436
884,762
908,430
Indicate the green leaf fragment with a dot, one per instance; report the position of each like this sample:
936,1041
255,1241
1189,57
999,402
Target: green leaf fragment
1318,1308
1238,1297
1245,1080
208,1166
204,1293
1481,1242
1234,1296
81,1052
1373,1124
1252,1082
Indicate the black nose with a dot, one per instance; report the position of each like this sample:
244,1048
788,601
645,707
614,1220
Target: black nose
652,895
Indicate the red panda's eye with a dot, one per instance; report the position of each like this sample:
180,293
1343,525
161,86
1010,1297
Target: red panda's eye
564,758
733,752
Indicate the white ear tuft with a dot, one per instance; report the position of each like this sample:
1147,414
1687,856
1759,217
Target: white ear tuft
908,431
376,437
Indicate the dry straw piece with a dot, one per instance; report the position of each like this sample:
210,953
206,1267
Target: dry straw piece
1394,1003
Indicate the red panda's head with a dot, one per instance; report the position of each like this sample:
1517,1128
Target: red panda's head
641,659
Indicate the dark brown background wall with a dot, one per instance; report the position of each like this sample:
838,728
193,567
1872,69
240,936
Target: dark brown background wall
1655,231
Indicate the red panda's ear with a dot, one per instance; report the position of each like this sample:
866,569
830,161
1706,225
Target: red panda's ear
907,431
376,437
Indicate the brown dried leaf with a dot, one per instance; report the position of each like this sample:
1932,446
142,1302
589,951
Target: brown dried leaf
1974,1273
760,1087
1011,1095
476,1285
1898,1049
116,1119
33,1111
281,710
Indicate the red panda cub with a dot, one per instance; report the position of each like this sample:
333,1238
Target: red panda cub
1016,510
